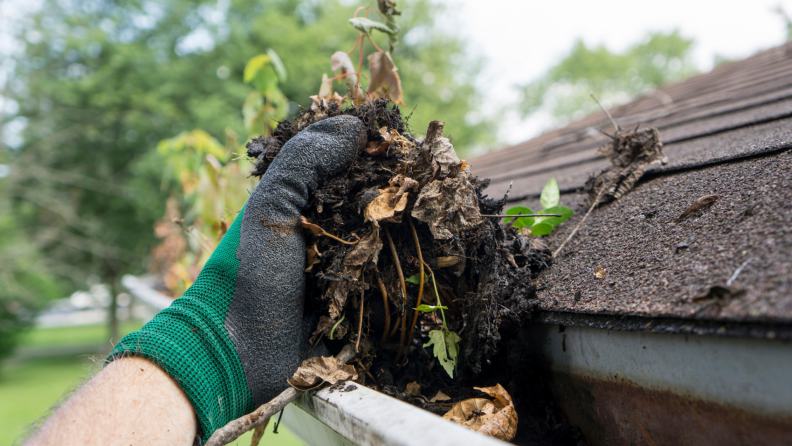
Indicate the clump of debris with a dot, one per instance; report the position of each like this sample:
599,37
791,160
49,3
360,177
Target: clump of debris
403,254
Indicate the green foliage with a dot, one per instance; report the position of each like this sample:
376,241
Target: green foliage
564,91
550,194
416,279
542,225
27,283
446,348
99,85
430,308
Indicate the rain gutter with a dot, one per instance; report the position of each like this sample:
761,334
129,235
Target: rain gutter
355,415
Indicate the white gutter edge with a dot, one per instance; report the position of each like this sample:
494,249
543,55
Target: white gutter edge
365,417
361,416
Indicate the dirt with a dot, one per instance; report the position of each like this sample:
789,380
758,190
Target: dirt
484,270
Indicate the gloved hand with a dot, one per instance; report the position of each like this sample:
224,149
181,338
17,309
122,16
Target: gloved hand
233,339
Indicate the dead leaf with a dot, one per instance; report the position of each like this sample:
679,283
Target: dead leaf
385,79
313,372
383,208
630,154
448,206
404,182
356,260
312,256
413,389
443,262
600,273
496,418
439,396
375,148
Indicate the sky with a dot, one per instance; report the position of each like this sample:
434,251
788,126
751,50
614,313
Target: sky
521,39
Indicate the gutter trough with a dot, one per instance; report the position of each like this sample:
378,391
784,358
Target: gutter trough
654,388
622,383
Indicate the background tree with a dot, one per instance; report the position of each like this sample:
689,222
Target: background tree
99,83
615,78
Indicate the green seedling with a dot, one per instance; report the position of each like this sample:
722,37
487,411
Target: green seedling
445,341
542,225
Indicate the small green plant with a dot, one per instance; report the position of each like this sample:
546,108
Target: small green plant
445,341
542,225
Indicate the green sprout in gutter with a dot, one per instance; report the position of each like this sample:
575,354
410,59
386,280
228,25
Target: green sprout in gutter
445,341
541,225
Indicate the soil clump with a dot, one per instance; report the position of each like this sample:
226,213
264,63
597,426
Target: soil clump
408,205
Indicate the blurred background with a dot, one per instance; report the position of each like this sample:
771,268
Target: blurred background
122,125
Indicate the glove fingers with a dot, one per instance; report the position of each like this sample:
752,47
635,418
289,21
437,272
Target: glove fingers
264,319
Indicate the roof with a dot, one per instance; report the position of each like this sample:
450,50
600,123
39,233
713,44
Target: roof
726,133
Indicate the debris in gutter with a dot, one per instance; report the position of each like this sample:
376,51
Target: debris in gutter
630,153
496,418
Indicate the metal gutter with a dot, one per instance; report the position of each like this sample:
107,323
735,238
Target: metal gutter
643,387
355,415
364,417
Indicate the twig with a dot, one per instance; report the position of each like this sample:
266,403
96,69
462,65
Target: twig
236,428
420,286
737,273
618,129
258,432
520,215
360,323
403,285
395,327
384,293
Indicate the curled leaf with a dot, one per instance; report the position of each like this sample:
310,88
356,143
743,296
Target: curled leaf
496,418
340,63
313,372
416,279
383,207
384,78
365,25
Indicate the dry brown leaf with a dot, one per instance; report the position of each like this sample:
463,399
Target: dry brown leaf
448,206
413,389
375,148
312,256
600,272
630,153
496,418
439,396
443,262
318,370
384,78
382,207
365,253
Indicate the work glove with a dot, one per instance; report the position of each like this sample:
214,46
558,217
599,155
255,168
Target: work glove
233,339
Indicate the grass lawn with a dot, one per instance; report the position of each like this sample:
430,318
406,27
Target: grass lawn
85,334
28,387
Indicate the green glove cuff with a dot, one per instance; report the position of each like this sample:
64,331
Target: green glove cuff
188,340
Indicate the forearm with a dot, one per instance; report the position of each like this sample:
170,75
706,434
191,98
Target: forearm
130,402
